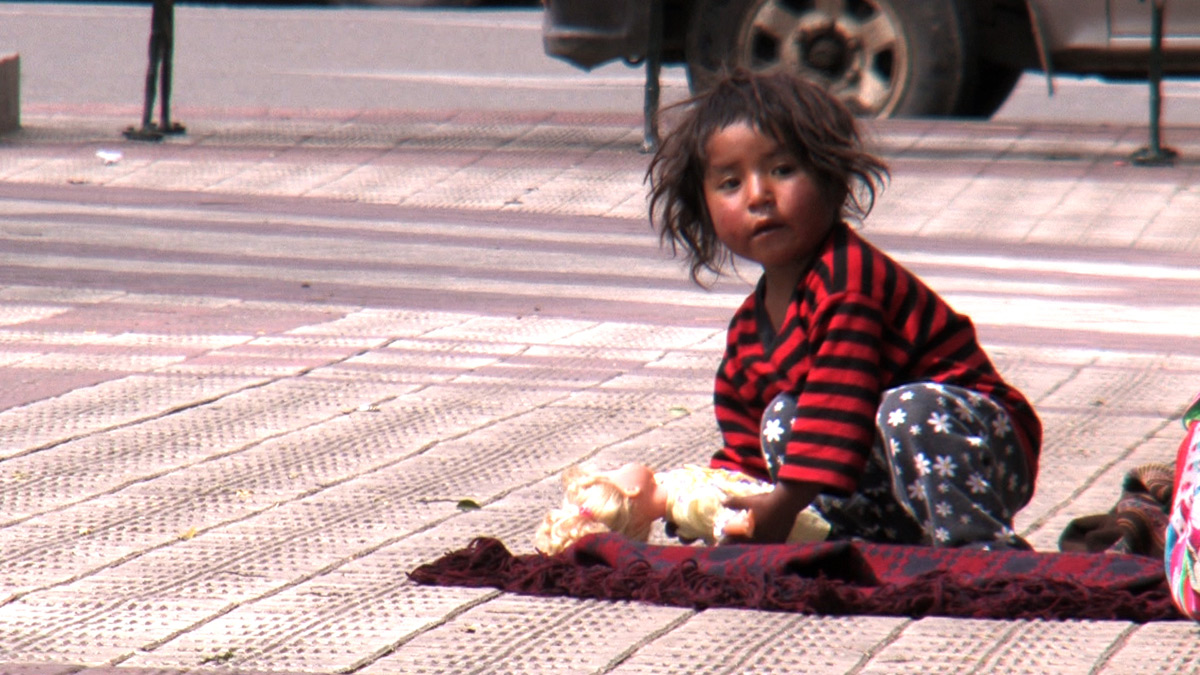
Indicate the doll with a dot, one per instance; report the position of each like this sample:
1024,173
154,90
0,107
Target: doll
1182,551
628,500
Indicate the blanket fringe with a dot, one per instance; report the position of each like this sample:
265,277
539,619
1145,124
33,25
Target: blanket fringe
486,562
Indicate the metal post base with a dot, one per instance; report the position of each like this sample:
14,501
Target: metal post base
1149,156
1155,154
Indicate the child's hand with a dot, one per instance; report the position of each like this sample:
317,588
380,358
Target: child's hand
773,513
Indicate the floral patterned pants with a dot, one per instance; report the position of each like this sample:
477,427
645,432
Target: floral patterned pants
946,469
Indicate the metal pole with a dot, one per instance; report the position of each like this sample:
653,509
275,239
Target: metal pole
1155,154
161,53
653,70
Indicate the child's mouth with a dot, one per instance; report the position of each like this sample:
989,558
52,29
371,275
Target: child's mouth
767,228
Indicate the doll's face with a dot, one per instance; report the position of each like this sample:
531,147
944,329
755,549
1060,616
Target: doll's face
638,484
632,478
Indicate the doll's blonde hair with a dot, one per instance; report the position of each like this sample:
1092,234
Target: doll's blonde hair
592,503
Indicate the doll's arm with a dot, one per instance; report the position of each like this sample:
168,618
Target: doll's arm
700,513
733,523
739,524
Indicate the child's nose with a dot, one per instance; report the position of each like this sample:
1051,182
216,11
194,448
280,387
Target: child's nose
760,190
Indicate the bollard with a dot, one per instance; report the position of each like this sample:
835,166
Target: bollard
162,46
10,92
1155,154
653,73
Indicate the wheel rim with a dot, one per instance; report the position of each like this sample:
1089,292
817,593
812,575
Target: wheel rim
856,48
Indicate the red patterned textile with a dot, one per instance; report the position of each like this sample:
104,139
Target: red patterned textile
825,578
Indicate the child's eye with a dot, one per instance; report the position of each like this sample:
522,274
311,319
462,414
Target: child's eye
785,169
728,184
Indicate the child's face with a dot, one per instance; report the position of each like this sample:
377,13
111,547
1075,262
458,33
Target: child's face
764,205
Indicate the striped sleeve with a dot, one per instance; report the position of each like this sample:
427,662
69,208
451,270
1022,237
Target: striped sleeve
737,400
739,425
835,422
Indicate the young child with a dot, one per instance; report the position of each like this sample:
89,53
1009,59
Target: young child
846,381
628,500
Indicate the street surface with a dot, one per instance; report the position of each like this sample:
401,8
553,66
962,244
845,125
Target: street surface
250,372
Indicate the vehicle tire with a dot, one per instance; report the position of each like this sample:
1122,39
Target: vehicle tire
881,57
993,84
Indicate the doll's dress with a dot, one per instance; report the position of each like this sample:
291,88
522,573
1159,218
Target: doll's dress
1182,550
695,497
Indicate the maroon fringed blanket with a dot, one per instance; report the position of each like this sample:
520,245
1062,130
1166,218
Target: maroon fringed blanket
826,578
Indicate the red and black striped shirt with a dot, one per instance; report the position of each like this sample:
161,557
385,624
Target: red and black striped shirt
858,325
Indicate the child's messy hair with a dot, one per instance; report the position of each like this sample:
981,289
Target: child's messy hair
806,121
592,503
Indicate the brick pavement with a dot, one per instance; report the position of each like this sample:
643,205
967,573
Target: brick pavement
250,371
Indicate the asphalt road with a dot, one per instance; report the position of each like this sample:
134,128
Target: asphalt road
364,58
326,58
